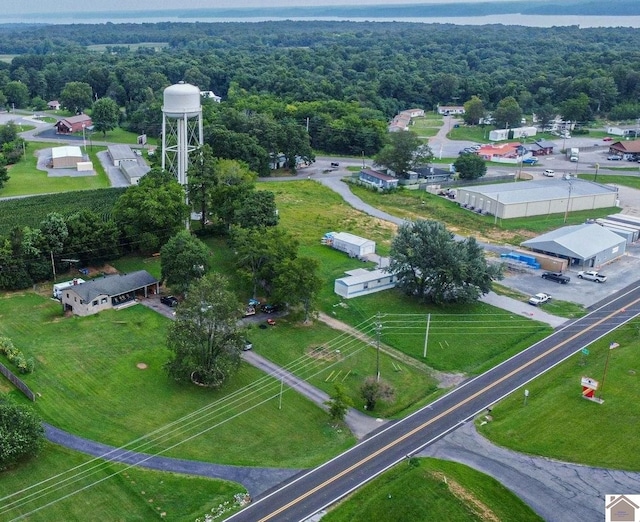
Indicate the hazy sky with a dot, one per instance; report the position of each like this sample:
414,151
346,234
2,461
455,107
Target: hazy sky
17,7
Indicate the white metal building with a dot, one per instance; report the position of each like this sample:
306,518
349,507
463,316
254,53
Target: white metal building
353,245
66,157
362,282
537,197
588,245
121,153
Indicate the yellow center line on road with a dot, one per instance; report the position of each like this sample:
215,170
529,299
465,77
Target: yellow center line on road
445,413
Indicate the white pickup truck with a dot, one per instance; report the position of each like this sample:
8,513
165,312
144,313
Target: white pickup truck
539,299
592,275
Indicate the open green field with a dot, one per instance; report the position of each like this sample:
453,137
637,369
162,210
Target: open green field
89,383
558,423
626,181
25,178
120,493
429,489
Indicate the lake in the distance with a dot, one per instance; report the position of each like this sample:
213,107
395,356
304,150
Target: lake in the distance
507,19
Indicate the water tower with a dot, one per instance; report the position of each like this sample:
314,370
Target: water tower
181,128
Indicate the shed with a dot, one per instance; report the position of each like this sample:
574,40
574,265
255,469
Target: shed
111,291
537,197
353,245
121,153
378,179
53,105
66,157
133,171
73,124
362,282
586,246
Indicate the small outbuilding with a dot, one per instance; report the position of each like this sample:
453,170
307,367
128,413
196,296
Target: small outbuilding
353,245
53,105
121,153
362,282
108,292
584,246
66,157
133,171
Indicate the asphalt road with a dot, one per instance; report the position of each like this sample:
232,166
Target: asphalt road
323,486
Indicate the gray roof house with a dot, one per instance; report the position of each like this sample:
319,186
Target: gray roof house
585,246
111,291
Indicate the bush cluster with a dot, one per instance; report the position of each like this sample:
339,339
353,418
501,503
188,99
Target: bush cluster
15,356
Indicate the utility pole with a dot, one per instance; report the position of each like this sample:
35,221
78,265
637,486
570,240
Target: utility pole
378,333
426,336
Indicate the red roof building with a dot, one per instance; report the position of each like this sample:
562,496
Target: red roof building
73,124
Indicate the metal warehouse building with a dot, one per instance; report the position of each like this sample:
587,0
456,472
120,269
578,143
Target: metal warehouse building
588,245
537,197
66,157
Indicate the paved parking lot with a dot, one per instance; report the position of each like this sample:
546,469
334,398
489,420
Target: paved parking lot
620,273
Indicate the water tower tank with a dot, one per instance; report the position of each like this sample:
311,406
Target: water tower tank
180,100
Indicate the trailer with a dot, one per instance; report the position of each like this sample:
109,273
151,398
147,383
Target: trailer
59,287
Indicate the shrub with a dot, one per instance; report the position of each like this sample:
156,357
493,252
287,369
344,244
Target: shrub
15,356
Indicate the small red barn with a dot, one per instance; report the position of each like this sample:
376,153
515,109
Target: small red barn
73,124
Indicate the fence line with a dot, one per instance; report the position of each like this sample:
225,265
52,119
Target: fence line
17,382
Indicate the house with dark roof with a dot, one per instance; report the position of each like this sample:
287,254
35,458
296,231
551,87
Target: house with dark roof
627,149
73,124
540,147
108,292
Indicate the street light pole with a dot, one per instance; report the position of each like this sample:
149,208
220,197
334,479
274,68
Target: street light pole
378,332
84,139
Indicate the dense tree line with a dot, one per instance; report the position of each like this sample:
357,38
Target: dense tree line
341,81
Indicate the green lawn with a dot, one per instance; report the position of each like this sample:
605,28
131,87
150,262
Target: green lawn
626,181
428,489
558,423
89,383
119,493
555,307
25,178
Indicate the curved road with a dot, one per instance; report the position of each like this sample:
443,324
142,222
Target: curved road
325,485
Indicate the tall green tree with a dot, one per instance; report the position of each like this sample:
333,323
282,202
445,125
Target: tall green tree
260,252
205,339
431,265
21,434
202,181
470,166
76,96
257,209
235,182
404,152
152,211
91,240
17,94
508,113
183,259
338,403
576,109
298,282
474,111
105,115
4,172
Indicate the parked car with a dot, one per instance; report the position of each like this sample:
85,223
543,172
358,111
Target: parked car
538,299
269,308
246,345
335,164
557,277
607,138
249,310
169,300
530,161
592,275
614,157
549,173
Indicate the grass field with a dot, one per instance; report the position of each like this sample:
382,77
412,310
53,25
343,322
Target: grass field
120,493
558,423
428,489
89,383
25,178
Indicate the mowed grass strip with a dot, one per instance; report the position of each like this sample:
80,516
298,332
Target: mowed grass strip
429,489
118,494
25,178
90,383
557,422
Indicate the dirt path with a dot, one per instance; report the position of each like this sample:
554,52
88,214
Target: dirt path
445,380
